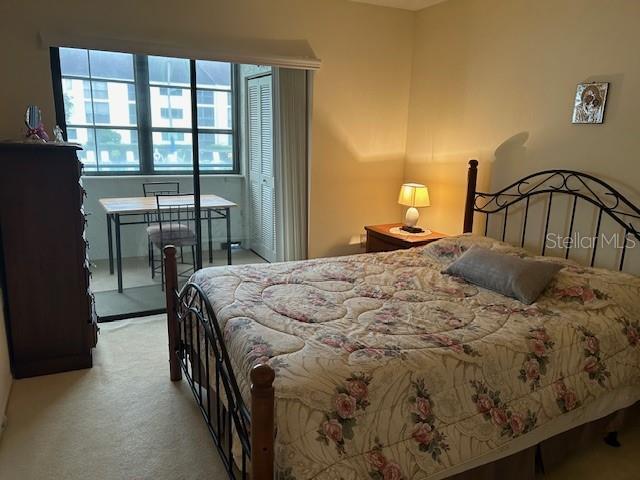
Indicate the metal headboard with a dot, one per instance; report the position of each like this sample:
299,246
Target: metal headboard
578,185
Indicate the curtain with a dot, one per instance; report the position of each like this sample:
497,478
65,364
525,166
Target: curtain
292,107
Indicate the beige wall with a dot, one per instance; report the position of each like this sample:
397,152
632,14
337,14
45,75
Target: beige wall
495,80
360,93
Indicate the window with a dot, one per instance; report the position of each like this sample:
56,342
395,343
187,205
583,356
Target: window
205,97
101,113
88,111
216,125
206,116
132,113
170,91
172,137
100,91
171,127
95,94
171,113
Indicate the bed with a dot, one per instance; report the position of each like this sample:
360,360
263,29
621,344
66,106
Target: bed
380,366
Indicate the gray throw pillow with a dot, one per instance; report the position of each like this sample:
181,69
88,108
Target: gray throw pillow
511,276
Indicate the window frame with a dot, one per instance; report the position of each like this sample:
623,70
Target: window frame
143,114
93,125
234,129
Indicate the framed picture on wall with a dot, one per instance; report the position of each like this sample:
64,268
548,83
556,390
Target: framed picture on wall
589,102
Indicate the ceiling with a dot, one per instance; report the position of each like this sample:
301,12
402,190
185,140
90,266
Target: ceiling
404,4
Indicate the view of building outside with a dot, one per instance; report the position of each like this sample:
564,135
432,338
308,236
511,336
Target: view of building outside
113,104
101,111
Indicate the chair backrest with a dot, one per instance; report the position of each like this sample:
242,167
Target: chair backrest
151,189
176,217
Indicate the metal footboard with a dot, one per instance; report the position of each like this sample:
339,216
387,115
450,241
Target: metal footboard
197,350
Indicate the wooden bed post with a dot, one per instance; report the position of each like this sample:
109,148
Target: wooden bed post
171,285
262,422
472,178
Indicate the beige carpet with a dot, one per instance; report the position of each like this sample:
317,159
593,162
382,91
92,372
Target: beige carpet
124,419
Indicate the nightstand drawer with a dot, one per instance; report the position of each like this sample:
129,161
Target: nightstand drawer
376,244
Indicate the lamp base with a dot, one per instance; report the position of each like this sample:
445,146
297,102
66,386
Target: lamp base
411,217
410,220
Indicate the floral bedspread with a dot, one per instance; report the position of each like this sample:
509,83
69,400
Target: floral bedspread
388,369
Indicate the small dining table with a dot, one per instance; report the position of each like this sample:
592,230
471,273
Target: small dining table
212,207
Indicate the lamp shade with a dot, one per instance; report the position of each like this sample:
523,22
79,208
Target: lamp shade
414,195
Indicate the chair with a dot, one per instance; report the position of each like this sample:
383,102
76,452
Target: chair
151,189
175,225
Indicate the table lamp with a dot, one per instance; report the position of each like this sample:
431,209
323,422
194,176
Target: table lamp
414,196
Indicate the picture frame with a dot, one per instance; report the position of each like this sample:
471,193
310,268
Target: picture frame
589,103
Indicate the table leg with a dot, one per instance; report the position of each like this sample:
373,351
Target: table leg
118,252
110,241
210,236
228,215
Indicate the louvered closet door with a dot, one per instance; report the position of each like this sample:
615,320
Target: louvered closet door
261,174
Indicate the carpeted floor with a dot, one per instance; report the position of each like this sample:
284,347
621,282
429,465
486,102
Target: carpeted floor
124,419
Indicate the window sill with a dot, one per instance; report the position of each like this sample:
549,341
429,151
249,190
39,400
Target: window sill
158,176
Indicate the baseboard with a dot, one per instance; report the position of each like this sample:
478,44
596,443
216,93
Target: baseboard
112,318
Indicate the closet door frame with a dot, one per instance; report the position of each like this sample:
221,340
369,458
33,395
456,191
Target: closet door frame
250,209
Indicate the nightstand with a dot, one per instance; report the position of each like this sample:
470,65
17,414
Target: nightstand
380,239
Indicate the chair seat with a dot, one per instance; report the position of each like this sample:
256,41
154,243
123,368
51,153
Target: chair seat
173,233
